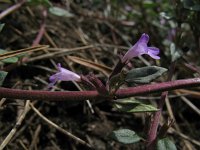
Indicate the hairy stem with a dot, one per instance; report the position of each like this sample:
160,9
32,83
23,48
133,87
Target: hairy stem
117,69
93,95
152,134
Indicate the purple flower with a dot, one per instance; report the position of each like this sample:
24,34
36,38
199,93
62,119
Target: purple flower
141,48
63,75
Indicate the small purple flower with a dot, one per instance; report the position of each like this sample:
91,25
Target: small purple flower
141,48
63,75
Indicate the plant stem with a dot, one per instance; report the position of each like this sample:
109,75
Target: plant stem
42,29
93,95
117,69
152,134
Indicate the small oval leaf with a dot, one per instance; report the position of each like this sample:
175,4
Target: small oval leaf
3,75
1,26
8,60
60,12
144,75
165,144
125,136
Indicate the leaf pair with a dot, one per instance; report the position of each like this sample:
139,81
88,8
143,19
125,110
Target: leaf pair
127,136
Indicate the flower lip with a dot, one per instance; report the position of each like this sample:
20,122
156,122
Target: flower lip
141,48
153,52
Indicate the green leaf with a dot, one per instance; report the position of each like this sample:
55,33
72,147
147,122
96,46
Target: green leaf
165,144
144,75
3,75
60,12
125,136
1,26
40,2
133,106
8,60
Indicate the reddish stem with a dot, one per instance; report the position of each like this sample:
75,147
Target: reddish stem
93,95
42,29
152,134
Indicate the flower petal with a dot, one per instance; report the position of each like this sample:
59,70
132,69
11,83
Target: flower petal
144,38
138,49
141,48
130,54
64,75
59,66
53,79
153,52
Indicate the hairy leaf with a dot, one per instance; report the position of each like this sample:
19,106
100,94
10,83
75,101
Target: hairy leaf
144,74
133,106
60,12
165,144
125,136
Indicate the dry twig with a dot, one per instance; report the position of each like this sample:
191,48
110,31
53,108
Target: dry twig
59,128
